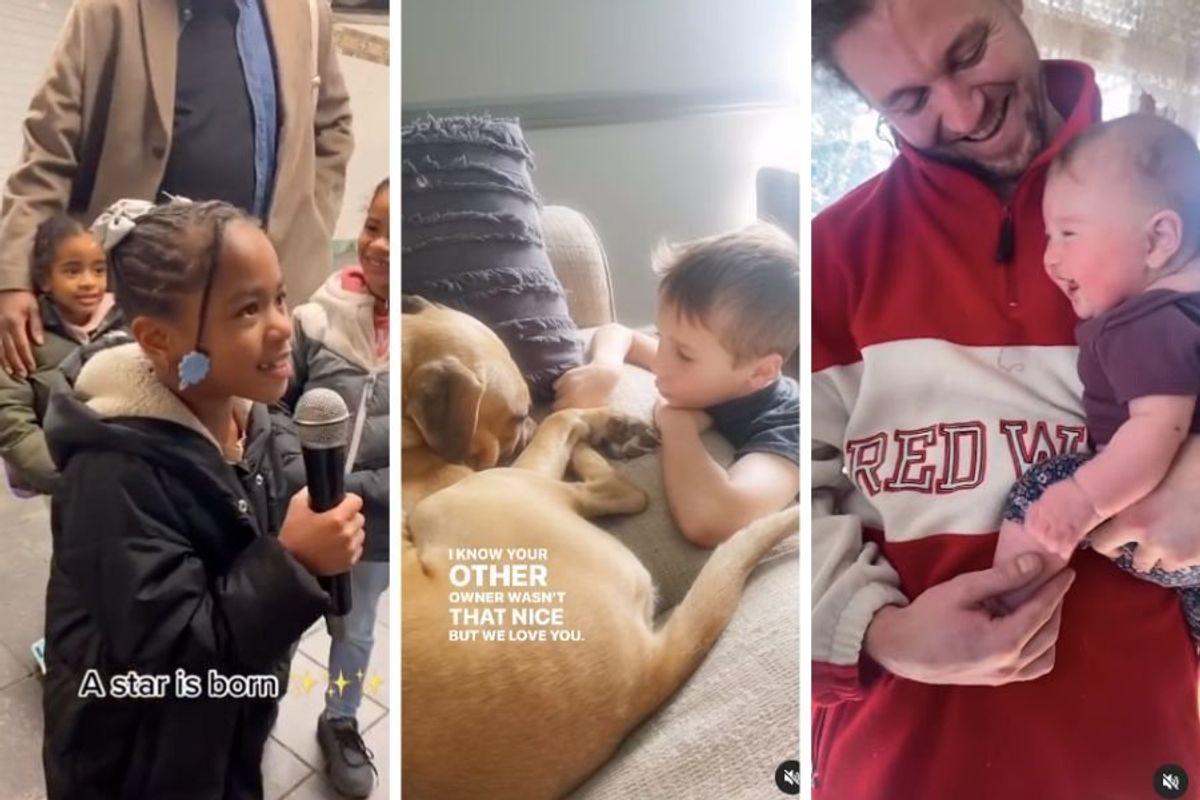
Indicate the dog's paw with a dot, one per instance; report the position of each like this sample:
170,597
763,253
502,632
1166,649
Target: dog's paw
624,437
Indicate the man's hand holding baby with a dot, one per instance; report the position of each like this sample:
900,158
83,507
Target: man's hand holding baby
1162,524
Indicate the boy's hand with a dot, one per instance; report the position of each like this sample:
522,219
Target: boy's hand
328,543
589,386
666,415
1061,517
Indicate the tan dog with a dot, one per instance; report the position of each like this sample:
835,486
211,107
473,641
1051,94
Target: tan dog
528,720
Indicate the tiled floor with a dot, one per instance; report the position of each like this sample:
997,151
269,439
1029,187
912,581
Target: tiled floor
293,768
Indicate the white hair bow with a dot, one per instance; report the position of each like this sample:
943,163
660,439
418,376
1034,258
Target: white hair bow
115,223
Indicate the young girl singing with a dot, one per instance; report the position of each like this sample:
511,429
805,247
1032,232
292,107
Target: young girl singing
175,565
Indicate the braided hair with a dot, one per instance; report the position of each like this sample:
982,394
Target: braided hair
171,252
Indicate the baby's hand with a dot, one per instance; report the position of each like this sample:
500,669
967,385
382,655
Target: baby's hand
1061,517
589,386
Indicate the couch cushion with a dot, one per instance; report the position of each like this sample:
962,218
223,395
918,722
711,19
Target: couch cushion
738,717
473,239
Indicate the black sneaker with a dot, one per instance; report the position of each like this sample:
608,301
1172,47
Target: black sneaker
348,761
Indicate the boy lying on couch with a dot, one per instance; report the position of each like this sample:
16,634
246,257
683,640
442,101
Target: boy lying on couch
728,319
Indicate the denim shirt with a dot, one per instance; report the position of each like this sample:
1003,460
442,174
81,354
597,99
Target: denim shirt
258,66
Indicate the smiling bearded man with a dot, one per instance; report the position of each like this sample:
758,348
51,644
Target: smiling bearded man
943,366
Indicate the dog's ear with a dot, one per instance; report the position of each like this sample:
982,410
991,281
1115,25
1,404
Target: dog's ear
445,406
414,304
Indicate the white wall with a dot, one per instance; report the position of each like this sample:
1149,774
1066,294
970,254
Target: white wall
638,183
642,183
367,83
28,31
457,49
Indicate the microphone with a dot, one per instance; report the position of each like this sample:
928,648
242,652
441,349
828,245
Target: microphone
323,426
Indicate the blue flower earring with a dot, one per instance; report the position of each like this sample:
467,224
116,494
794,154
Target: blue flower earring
193,369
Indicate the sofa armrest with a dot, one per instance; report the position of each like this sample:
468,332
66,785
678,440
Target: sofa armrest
578,260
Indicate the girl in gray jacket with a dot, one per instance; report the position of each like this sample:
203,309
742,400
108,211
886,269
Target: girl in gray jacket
341,343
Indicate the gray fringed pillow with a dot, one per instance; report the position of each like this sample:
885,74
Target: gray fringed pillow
472,239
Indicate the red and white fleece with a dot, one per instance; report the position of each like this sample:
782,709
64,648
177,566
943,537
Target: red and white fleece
944,365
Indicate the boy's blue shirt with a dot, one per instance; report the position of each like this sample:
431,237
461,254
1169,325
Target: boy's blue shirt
765,421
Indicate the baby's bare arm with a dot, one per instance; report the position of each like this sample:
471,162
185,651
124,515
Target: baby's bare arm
1139,454
1134,462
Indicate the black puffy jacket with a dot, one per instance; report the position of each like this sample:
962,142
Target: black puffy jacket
165,558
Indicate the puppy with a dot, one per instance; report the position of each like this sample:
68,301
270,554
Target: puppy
527,720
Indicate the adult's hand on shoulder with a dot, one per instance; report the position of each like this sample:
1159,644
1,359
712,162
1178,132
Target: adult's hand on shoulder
1163,523
20,322
947,635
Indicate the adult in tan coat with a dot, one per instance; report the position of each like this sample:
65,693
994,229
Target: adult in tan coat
141,98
